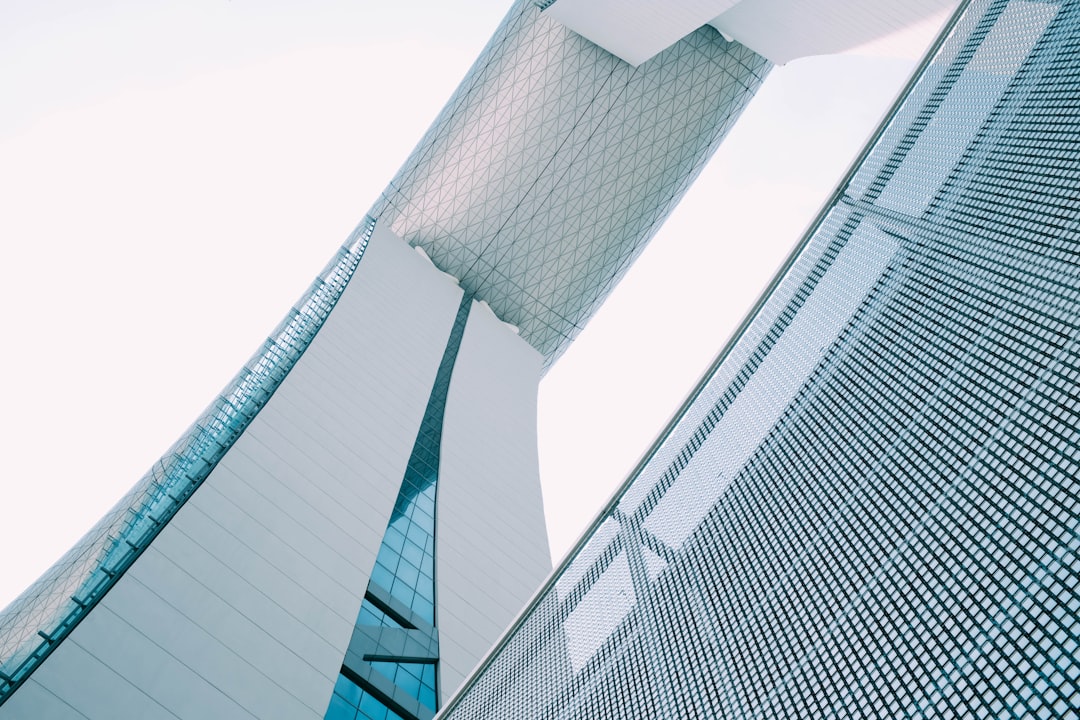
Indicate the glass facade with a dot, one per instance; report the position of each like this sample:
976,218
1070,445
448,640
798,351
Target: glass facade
401,592
870,507
46,613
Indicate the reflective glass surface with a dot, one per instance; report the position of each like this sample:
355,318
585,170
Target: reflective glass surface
350,702
406,562
417,679
371,615
405,565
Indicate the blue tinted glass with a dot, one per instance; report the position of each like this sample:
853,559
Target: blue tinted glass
427,686
414,678
372,709
407,681
388,669
413,553
347,689
340,709
371,615
408,575
350,702
382,575
405,563
393,539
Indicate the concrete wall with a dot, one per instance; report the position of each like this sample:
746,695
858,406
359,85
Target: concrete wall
491,550
244,605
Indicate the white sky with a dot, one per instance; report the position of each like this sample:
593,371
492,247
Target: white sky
174,174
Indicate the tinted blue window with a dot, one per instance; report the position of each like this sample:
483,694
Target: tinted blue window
405,563
340,709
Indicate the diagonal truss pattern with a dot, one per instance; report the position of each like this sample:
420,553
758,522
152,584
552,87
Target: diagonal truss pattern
555,162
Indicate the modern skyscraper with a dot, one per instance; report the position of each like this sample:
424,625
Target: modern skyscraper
231,579
353,523
360,508
870,507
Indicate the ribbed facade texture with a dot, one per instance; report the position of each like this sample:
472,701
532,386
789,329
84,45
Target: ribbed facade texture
871,505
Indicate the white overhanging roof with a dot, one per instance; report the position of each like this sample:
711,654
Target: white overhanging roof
780,30
555,161
636,30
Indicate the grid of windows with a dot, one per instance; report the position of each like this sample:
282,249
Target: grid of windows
417,679
406,561
350,702
46,613
372,615
871,506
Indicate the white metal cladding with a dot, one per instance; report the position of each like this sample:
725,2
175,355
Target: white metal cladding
780,30
554,162
244,604
783,30
491,550
871,507
45,613
635,30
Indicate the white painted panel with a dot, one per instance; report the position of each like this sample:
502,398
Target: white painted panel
326,616
34,701
782,30
635,30
246,601
148,684
241,532
276,507
310,636
491,548
211,650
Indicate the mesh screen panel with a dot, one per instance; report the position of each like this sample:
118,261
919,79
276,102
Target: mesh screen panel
870,508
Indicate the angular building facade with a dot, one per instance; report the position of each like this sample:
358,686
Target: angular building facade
870,507
355,520
238,578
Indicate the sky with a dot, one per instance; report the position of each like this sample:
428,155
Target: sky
174,174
